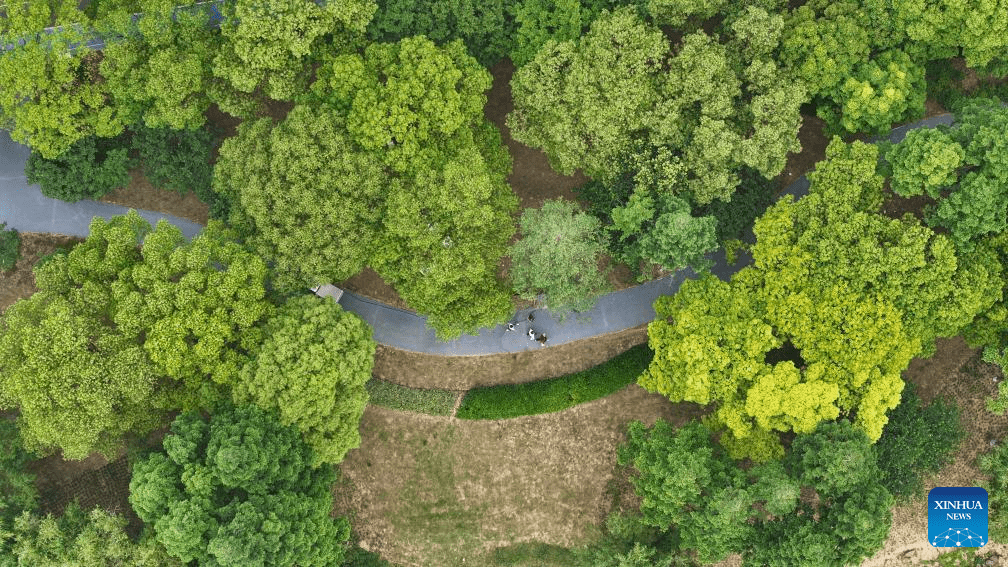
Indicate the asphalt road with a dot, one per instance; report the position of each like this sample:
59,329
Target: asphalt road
24,208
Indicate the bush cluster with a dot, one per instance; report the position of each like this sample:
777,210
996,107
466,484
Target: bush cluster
10,247
88,170
514,400
391,395
994,464
918,440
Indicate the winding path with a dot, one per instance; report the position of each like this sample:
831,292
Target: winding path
23,207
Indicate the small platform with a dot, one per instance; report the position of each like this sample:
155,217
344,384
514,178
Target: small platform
328,290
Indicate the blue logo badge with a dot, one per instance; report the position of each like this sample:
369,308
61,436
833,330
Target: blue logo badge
957,516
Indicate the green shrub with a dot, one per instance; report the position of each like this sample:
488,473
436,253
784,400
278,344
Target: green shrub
177,160
995,465
918,440
747,204
357,557
88,170
532,553
10,247
513,400
390,395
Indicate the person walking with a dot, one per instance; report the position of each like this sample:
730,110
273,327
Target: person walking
531,334
542,339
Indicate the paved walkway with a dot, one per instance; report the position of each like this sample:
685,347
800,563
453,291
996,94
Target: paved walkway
23,207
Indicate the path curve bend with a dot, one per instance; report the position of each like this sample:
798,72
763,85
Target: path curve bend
23,207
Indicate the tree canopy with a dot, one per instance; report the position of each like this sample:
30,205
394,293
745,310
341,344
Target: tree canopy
238,489
311,368
855,294
117,333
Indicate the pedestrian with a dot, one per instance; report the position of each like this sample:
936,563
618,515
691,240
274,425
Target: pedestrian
531,317
542,339
511,327
531,334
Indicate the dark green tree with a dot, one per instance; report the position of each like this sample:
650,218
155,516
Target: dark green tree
88,169
239,489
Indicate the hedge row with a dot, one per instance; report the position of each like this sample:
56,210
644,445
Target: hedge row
514,400
389,395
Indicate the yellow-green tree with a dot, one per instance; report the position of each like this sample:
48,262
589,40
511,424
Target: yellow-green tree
855,293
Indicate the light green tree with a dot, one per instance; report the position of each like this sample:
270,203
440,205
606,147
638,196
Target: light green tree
162,71
558,256
84,539
308,202
926,161
271,47
311,368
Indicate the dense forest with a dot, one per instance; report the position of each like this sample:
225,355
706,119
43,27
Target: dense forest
363,143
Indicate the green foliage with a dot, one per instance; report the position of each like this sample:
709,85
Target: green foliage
736,217
270,48
822,48
994,464
538,21
309,204
926,161
572,93
17,486
392,395
178,160
883,90
10,247
835,459
663,233
856,293
89,169
918,440
558,256
445,217
94,539
197,306
164,73
311,368
484,26
238,490
111,321
544,396
683,119
403,100
357,557
677,13
51,98
942,28
445,232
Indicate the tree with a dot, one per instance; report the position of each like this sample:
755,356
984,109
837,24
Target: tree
10,247
178,160
584,102
307,201
618,101
238,490
162,68
941,28
822,47
484,26
885,89
927,161
89,169
538,21
93,539
918,440
444,233
558,256
270,48
835,460
857,295
117,335
446,216
311,368
406,101
197,306
17,486
50,97
663,233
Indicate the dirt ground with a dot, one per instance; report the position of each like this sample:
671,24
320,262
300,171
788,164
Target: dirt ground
428,491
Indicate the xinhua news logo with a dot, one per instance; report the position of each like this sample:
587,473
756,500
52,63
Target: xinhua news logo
957,516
